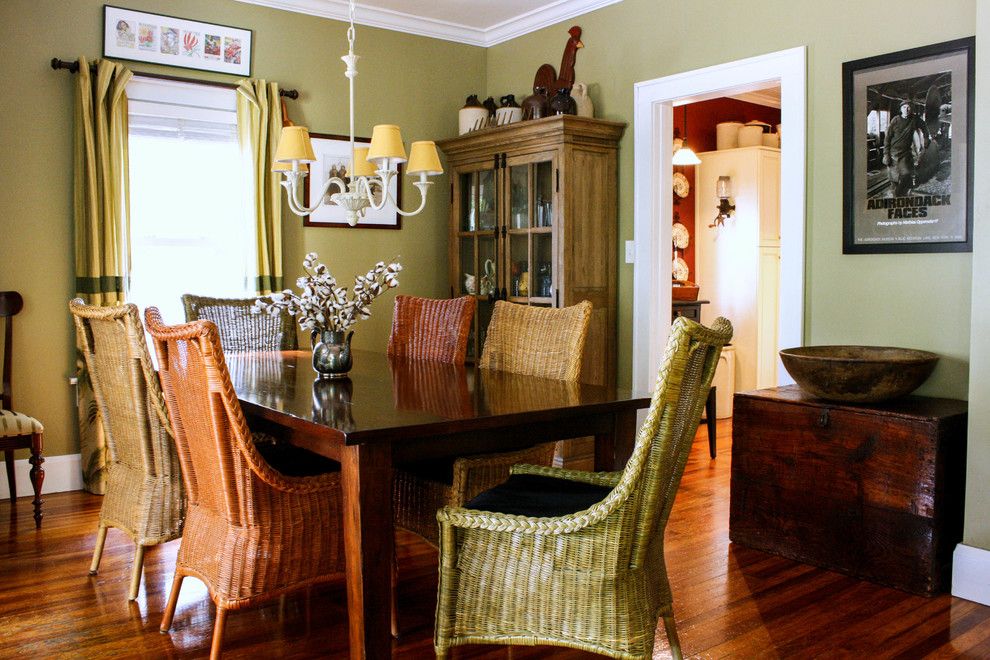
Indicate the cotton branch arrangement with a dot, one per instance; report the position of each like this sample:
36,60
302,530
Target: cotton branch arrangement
323,305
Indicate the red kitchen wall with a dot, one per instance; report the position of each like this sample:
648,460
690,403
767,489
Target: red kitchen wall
701,120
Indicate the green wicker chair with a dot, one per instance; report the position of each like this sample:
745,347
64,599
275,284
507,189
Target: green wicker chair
569,558
240,330
144,497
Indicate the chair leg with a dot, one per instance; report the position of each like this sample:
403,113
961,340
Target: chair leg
395,598
173,599
101,539
8,456
671,630
218,633
37,476
136,572
710,419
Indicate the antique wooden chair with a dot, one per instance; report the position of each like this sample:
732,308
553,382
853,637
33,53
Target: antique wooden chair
17,430
144,496
239,329
570,558
252,532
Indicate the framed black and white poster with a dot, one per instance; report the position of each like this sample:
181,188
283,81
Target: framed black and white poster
907,122
141,36
333,159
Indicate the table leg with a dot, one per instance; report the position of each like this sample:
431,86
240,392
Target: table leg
368,548
613,449
710,420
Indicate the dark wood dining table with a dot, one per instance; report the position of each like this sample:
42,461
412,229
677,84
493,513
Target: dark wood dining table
390,411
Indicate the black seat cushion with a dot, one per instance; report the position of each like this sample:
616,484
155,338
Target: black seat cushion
538,497
295,461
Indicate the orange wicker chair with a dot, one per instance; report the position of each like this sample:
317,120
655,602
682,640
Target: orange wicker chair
536,341
144,496
252,533
427,329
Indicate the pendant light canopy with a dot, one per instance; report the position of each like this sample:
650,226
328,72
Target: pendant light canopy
684,155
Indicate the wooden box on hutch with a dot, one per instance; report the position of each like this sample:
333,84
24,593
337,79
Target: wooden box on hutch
875,491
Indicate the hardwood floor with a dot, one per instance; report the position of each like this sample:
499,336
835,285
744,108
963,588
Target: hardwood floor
729,601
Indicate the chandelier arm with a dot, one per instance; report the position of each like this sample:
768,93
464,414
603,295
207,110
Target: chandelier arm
423,187
292,187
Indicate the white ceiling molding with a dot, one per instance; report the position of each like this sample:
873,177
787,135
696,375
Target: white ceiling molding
437,28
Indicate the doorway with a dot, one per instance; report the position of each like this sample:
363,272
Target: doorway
654,103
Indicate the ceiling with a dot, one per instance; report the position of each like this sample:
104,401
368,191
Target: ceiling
475,22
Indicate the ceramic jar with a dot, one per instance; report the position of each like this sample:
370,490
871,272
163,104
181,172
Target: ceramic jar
562,103
536,105
472,116
509,113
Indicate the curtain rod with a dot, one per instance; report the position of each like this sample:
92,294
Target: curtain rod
74,68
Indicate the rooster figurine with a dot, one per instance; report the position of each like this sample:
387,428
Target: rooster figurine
548,78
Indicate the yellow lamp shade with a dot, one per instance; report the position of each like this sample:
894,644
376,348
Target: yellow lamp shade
362,166
294,144
423,158
386,145
287,167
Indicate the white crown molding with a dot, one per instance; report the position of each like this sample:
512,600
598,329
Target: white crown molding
438,29
766,97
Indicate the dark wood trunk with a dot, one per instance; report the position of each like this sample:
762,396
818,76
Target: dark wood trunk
875,491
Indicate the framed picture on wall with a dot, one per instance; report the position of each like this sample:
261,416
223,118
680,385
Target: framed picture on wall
144,37
907,123
333,158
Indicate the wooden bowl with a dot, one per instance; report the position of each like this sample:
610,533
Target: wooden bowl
858,374
684,290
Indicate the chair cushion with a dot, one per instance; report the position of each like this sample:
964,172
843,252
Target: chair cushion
13,423
536,496
290,460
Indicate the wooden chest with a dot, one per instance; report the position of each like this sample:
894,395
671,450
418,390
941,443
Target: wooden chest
875,491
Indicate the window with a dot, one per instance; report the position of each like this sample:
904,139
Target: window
190,227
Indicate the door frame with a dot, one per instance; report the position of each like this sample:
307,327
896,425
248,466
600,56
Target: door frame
653,116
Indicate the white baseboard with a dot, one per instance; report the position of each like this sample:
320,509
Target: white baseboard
971,574
62,473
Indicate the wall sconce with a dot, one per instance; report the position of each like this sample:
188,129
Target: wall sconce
723,190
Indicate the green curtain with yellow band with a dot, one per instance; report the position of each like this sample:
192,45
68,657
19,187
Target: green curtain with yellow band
259,125
101,221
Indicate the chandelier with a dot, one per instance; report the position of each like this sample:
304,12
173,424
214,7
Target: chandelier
371,168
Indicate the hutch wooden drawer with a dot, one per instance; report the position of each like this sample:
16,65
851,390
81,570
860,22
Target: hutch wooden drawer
875,491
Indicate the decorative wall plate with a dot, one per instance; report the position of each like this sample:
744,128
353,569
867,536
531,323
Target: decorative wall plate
681,185
680,269
681,237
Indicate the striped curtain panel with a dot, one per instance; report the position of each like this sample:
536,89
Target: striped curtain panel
100,214
259,125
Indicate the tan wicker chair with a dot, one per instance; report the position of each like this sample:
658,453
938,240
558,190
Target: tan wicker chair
569,558
240,330
427,329
536,341
144,496
251,533
17,430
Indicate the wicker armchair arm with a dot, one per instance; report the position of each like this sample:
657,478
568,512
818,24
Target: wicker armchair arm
287,484
502,522
610,479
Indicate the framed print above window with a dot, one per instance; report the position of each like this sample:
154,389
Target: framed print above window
907,124
144,37
333,158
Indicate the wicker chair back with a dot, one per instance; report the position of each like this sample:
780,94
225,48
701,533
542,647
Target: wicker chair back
428,329
239,329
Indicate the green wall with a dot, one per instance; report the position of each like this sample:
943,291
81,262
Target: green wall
920,301
978,463
416,82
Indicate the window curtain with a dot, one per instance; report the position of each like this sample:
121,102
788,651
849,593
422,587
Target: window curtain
259,125
100,214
